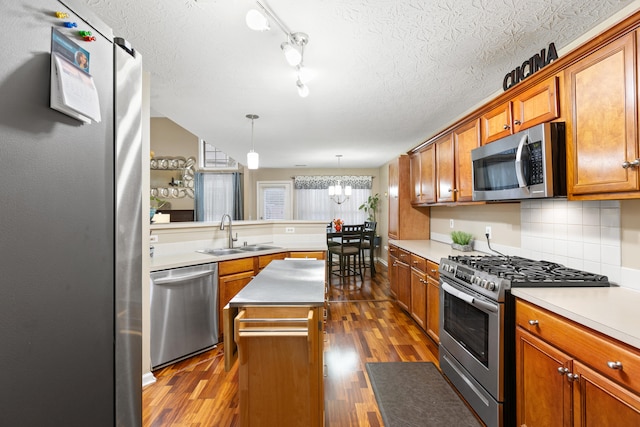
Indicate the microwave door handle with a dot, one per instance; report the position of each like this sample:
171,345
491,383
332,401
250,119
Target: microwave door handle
485,306
519,172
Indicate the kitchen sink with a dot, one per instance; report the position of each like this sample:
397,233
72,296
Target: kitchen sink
220,252
255,248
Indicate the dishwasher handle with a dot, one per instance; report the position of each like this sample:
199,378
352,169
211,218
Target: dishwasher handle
176,280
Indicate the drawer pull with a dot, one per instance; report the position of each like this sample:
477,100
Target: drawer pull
614,365
433,270
533,322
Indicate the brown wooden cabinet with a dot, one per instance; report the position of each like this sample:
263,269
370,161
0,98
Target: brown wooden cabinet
602,130
400,276
405,221
392,259
433,302
419,290
308,254
280,354
233,275
445,169
533,106
465,138
570,375
423,176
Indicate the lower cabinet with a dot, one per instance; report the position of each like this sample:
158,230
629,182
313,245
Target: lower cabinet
433,302
280,366
233,275
569,375
403,278
418,294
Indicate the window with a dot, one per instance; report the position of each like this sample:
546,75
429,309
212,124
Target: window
218,194
313,202
213,159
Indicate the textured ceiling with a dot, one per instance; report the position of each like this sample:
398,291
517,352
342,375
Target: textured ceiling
387,73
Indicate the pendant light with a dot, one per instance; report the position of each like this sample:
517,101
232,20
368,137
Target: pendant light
252,157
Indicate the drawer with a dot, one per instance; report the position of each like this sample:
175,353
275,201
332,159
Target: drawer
264,260
418,263
432,270
235,266
403,256
592,348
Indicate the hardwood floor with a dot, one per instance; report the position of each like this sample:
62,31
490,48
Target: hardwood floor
363,325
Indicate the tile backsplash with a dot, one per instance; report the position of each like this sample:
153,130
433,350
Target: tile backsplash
580,234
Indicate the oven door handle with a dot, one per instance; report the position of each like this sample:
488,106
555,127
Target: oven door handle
468,298
519,172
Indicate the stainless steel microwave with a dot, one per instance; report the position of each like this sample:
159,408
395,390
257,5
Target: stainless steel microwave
528,164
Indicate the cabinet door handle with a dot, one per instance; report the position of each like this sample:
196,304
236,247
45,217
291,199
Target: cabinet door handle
433,270
562,370
573,377
505,127
533,322
517,122
615,365
633,164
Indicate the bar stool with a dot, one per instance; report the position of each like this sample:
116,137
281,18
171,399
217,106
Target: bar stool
368,243
349,253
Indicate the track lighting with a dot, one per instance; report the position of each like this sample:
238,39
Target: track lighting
293,48
303,89
293,56
257,21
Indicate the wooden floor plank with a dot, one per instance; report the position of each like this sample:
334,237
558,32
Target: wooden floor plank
363,325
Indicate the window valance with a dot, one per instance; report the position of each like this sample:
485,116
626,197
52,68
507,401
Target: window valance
322,182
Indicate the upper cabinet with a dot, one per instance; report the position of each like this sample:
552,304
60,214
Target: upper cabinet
445,176
465,138
536,105
423,176
404,221
602,137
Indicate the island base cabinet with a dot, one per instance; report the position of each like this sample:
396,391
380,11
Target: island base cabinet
280,366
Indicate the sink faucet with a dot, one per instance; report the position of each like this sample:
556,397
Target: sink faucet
231,238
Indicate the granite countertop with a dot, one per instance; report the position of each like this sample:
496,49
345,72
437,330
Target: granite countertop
285,282
612,311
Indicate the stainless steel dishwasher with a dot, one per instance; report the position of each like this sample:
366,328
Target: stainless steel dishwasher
184,312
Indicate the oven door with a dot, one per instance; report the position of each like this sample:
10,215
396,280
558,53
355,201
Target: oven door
471,331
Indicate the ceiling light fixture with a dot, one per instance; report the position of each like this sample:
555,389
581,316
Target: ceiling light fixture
335,191
257,21
253,159
293,48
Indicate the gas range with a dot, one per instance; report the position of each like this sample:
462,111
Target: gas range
492,276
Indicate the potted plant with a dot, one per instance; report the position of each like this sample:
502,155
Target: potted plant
370,207
462,241
155,204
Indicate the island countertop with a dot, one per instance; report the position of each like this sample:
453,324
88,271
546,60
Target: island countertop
285,282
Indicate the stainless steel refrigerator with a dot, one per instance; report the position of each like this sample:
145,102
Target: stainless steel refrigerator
70,228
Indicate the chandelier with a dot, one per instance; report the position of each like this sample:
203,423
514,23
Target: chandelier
335,191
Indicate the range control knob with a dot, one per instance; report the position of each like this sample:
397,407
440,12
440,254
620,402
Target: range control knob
491,286
484,283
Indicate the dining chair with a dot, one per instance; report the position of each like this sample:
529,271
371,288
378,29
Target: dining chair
349,253
368,244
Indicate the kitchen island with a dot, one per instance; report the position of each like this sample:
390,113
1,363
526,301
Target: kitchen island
273,327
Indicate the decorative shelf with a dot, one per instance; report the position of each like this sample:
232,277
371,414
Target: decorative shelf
186,166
